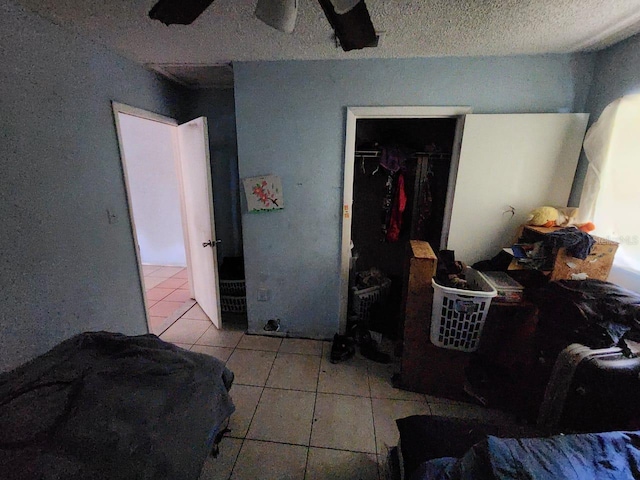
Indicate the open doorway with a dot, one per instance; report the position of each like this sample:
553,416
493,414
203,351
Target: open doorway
168,181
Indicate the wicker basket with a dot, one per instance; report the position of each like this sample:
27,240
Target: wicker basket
234,288
233,304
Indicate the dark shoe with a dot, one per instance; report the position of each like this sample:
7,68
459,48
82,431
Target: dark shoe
343,348
370,350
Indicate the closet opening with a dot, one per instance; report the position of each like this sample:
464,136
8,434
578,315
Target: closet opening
401,180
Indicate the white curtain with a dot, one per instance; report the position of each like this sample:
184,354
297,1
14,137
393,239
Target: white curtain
611,192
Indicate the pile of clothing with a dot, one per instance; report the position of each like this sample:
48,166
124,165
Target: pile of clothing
370,278
450,272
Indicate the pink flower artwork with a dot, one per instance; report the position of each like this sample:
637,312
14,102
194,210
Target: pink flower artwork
263,193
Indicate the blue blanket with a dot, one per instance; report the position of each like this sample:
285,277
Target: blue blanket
611,455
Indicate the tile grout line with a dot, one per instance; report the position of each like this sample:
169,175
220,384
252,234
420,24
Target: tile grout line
333,449
313,414
254,412
373,421
245,435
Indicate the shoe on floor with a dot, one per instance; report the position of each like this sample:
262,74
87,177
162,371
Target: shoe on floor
343,348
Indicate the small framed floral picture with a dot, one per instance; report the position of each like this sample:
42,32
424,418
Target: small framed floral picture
263,193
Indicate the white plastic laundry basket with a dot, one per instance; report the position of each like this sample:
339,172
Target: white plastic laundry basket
458,316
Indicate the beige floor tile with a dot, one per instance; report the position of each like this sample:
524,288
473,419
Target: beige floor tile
221,353
251,367
324,464
385,413
184,331
269,461
343,422
167,272
148,269
172,283
152,282
178,295
245,398
220,338
382,387
283,416
156,325
219,468
186,346
151,303
294,372
260,342
347,378
196,313
158,293
467,410
164,308
301,346
182,274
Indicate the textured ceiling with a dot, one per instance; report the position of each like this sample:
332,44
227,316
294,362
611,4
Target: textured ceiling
227,30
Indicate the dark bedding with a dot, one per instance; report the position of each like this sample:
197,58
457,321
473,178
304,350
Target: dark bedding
427,437
611,455
108,406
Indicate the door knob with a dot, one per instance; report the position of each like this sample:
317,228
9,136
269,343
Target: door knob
211,244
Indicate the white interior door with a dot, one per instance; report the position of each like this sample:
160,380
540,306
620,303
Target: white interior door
195,173
518,160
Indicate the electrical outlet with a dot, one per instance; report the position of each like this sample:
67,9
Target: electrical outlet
263,294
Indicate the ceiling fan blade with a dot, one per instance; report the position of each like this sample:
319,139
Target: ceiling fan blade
182,12
353,28
343,6
279,14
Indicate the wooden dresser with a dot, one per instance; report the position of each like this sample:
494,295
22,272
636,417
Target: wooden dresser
426,368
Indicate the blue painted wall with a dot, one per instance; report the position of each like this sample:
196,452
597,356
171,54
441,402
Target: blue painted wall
616,73
63,268
291,122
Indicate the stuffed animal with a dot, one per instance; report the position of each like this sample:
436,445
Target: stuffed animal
557,217
543,217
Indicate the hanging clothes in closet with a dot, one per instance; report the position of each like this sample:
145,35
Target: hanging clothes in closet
424,202
393,160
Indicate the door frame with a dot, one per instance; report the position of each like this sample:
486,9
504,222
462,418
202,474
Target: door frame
155,117
353,115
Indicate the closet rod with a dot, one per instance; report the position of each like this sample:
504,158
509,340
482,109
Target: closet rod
377,153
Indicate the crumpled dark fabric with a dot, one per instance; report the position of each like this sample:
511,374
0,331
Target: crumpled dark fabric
392,158
106,406
577,242
592,312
